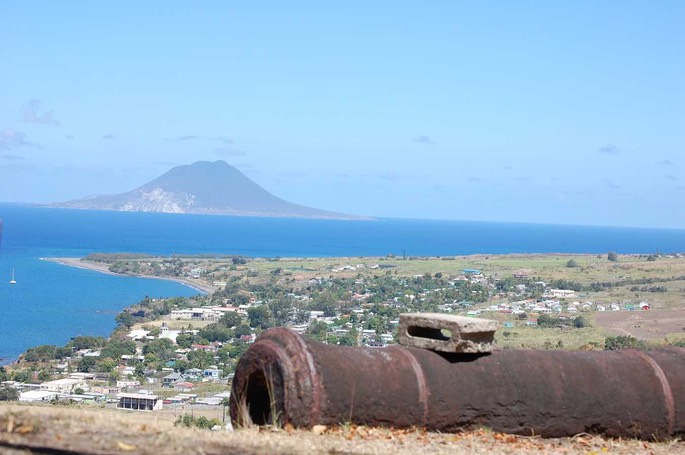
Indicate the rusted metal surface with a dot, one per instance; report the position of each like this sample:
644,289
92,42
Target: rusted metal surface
286,378
447,333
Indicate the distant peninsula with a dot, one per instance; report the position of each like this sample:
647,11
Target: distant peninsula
205,188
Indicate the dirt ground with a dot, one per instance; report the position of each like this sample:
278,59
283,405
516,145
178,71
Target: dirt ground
51,429
651,324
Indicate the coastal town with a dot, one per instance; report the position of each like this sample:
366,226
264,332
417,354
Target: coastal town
181,353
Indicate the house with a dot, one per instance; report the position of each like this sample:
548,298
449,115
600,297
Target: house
315,315
193,373
63,385
125,384
139,402
138,334
212,373
82,376
521,275
196,314
129,357
203,347
170,379
125,371
33,396
562,293
183,385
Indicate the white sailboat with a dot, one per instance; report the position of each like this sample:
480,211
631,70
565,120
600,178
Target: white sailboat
13,281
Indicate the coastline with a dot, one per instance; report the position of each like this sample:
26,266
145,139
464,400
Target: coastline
203,288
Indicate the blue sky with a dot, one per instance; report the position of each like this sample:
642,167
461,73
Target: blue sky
546,112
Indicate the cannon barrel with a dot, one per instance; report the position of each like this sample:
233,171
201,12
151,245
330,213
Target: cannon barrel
286,378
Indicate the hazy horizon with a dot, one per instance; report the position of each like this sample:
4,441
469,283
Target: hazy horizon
531,112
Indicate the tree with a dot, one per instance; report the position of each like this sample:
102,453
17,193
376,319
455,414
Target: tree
349,339
242,329
116,348
44,375
107,365
230,319
259,316
87,342
326,302
571,263
545,320
215,332
21,375
86,364
125,319
9,394
41,353
317,330
62,352
185,340
200,359
620,342
613,257
162,348
139,371
237,350
282,310
579,322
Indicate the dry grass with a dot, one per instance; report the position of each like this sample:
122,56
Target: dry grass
49,429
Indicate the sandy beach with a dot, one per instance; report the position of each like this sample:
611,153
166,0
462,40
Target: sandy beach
104,268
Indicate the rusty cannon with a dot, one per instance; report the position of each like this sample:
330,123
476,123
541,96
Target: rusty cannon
286,378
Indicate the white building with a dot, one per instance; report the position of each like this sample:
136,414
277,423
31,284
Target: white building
33,396
139,402
63,385
562,293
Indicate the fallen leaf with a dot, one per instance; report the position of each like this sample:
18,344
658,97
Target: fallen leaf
319,429
126,447
23,429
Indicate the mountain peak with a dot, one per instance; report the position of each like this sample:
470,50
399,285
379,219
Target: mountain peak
202,187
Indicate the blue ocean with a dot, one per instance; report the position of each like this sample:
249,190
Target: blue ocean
50,303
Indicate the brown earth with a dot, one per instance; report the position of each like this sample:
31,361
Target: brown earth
650,324
68,430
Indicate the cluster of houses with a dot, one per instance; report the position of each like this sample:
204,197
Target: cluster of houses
126,394
550,306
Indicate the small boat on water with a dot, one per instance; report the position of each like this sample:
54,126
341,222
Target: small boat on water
13,281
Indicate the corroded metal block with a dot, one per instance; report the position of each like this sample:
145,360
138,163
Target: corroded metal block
447,333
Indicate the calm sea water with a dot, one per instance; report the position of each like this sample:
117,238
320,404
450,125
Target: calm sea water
51,303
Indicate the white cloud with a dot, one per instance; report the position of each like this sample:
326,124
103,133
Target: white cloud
33,113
